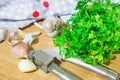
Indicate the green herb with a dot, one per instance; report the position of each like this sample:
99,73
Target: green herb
92,32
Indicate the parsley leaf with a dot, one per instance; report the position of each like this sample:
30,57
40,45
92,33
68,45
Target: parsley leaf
92,32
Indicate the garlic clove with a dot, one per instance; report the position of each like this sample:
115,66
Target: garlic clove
26,65
20,50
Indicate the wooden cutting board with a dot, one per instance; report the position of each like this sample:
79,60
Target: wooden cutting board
9,64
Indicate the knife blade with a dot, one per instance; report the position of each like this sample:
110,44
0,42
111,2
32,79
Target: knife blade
100,69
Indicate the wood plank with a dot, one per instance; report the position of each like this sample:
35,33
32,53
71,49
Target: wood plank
9,69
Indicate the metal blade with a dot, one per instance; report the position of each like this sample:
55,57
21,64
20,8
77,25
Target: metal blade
54,52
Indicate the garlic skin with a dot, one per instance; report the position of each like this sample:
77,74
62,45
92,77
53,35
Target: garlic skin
26,65
52,25
15,36
30,37
3,34
20,50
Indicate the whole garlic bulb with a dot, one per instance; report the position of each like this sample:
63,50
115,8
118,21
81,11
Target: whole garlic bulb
52,25
26,65
20,50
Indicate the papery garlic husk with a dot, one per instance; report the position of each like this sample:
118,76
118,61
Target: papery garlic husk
30,37
26,65
52,34
52,25
3,34
15,36
20,50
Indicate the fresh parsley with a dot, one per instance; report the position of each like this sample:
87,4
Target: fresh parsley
92,32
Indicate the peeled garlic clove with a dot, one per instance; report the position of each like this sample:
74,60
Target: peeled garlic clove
26,65
20,50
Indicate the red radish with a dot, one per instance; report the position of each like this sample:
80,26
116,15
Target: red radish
20,50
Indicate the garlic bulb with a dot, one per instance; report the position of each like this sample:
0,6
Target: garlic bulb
26,65
20,50
52,25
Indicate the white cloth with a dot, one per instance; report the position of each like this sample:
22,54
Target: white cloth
21,13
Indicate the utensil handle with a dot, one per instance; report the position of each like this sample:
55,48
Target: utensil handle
62,73
100,69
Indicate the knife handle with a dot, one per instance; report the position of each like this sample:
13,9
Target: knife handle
62,73
100,69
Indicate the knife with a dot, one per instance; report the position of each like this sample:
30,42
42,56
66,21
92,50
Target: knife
100,69
45,62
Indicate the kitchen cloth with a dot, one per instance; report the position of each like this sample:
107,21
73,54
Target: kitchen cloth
21,13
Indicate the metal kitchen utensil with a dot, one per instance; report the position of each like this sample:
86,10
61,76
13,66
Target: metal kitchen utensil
100,69
45,62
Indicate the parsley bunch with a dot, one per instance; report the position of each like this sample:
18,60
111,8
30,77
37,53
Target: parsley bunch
92,32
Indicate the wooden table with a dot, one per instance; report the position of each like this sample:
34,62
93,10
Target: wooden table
9,64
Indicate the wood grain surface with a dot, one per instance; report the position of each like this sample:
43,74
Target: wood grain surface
9,64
